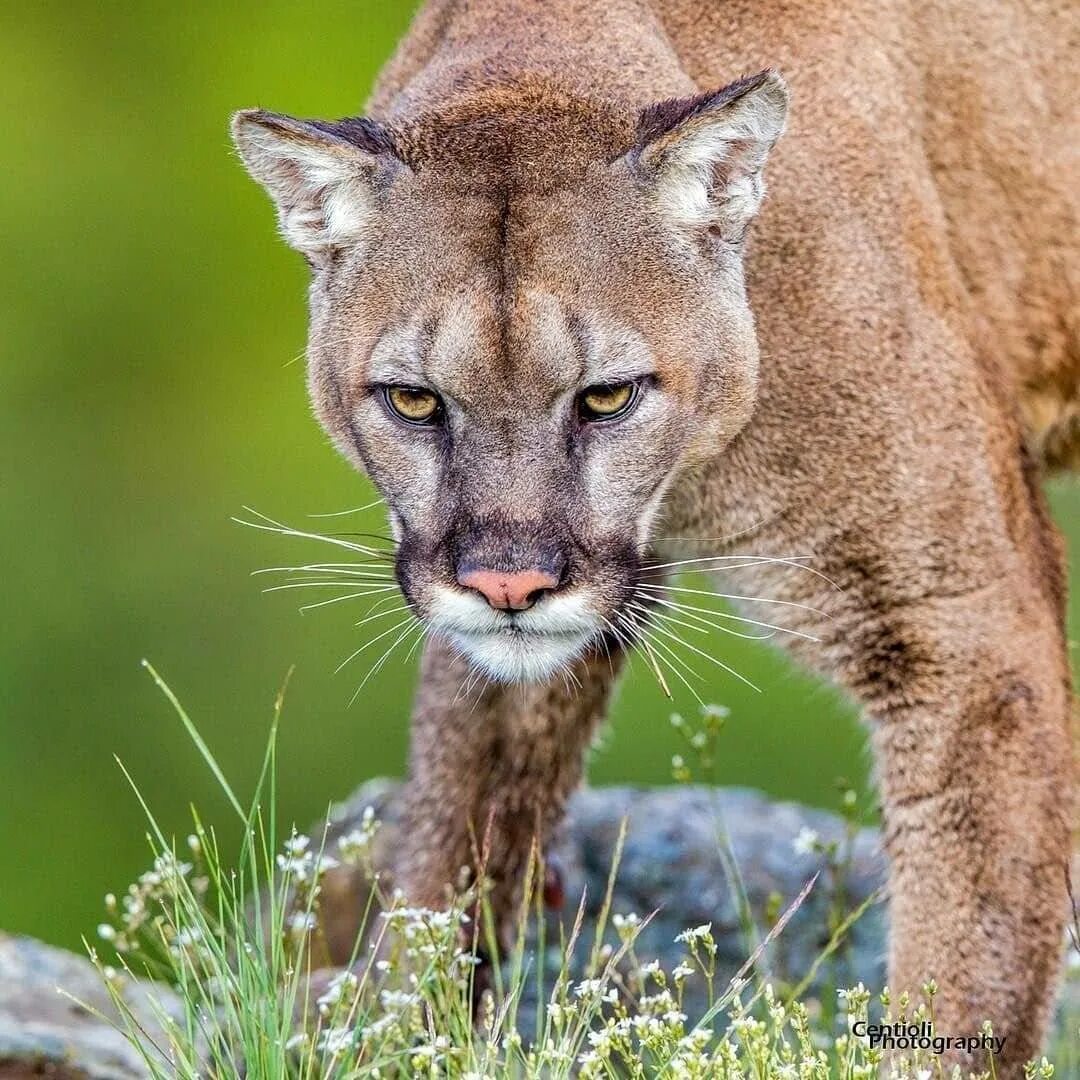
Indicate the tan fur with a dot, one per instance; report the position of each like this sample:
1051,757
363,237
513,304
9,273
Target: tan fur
913,278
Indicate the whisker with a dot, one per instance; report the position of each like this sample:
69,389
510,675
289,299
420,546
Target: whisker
385,656
686,609
475,681
357,577
360,582
795,561
650,633
333,600
382,601
629,646
670,660
707,656
383,614
654,664
418,641
619,636
374,586
374,536
607,651
325,568
704,629
569,679
748,559
721,539
326,343
467,683
368,644
354,510
268,524
727,596
647,648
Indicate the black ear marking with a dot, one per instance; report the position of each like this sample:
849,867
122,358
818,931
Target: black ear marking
704,156
662,117
324,176
360,131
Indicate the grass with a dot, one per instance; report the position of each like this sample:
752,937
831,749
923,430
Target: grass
239,942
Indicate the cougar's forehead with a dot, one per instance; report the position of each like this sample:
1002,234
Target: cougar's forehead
487,350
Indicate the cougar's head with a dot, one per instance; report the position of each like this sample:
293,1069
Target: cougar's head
527,315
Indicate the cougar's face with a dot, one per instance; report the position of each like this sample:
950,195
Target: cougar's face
522,373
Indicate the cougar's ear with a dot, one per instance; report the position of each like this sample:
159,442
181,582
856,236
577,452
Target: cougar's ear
705,155
322,175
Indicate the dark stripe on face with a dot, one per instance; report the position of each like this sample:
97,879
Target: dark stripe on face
329,376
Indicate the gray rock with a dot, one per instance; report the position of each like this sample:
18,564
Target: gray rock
673,868
674,864
44,1033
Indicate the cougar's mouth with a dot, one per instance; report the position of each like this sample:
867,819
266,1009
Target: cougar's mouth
520,646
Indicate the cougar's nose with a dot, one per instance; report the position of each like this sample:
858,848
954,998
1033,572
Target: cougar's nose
515,591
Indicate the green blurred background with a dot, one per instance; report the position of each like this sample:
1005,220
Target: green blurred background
149,388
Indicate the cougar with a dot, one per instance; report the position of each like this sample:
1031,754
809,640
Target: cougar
546,324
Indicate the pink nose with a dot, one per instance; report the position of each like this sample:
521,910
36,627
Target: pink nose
516,591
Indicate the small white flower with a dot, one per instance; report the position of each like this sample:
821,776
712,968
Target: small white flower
378,1028
589,988
396,999
336,1040
301,923
806,842
106,932
297,845
341,984
325,862
698,933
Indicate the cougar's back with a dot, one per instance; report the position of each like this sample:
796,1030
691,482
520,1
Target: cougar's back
961,121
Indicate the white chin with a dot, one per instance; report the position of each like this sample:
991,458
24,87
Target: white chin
508,657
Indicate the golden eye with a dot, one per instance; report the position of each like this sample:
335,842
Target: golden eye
413,404
607,402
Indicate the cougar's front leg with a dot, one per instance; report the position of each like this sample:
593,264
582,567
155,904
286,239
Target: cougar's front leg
967,689
492,764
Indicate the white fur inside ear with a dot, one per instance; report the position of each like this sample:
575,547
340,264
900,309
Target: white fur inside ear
711,167
321,189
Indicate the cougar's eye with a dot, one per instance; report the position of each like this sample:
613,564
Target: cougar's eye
607,402
413,404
